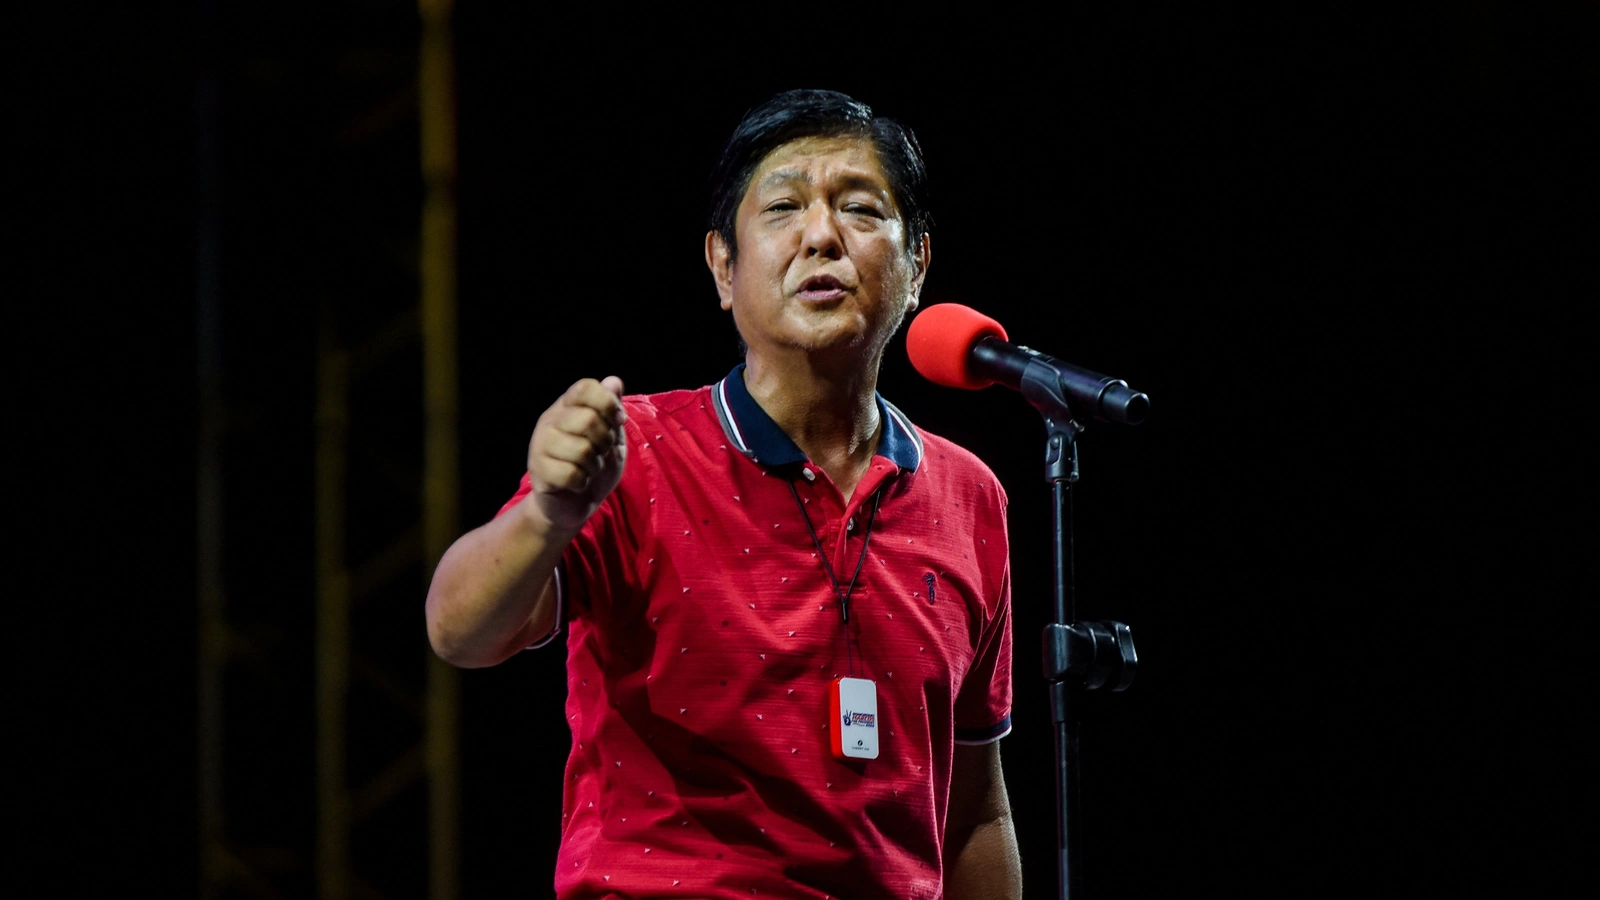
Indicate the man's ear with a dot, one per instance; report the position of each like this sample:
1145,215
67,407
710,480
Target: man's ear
717,260
921,257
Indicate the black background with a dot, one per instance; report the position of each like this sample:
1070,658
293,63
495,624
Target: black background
1349,258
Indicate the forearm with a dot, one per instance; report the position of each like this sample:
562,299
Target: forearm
985,864
491,593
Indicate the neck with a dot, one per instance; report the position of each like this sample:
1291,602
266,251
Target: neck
832,416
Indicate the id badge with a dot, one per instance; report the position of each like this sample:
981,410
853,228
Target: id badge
854,705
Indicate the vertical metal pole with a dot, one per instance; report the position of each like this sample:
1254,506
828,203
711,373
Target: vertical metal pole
441,480
211,632
1061,470
1063,697
333,618
1065,571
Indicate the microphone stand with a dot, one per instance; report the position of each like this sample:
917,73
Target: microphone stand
1078,656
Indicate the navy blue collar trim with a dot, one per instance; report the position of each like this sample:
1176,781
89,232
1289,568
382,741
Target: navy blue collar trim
754,434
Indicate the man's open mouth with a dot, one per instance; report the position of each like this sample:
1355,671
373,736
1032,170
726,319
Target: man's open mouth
821,287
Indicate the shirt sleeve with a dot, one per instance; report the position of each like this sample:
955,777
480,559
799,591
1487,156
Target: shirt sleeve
983,705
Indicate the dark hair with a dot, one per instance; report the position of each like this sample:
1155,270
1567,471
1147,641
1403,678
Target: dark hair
793,115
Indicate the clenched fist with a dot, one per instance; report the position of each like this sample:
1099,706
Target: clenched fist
577,452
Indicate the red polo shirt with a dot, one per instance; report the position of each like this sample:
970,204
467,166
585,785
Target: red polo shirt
703,635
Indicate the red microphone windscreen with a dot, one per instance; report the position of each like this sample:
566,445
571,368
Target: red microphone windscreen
940,340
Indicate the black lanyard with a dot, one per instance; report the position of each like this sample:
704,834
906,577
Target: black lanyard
844,594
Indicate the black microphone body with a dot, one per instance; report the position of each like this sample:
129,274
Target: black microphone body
1049,382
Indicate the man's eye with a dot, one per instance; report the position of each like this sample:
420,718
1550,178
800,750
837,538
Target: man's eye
782,206
864,209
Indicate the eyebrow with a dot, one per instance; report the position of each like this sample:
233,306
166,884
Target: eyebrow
849,181
780,176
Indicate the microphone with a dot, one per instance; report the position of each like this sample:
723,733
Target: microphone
959,347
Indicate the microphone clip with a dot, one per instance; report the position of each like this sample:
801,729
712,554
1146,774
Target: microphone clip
1041,384
1061,450
1042,388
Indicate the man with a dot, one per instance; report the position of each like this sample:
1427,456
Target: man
721,557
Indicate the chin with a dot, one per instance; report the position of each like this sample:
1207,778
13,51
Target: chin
851,345
828,336
829,326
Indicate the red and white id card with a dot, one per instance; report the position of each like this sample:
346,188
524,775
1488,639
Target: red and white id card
854,705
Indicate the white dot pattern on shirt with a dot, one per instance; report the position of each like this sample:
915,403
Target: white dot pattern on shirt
792,633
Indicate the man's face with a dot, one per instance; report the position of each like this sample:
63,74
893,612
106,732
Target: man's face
822,263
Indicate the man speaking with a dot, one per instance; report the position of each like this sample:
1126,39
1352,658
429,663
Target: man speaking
787,608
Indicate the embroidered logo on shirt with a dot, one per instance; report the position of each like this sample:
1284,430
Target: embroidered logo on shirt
928,580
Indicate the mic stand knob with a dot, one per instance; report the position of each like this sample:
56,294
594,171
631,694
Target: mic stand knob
1093,654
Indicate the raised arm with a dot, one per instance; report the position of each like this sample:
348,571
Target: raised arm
492,593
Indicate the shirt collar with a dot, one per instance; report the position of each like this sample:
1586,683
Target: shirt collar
754,434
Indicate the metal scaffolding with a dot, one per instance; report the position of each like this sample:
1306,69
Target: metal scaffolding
441,480
383,783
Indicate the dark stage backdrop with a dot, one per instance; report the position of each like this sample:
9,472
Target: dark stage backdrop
1341,254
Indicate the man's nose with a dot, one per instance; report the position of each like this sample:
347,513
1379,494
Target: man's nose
821,236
